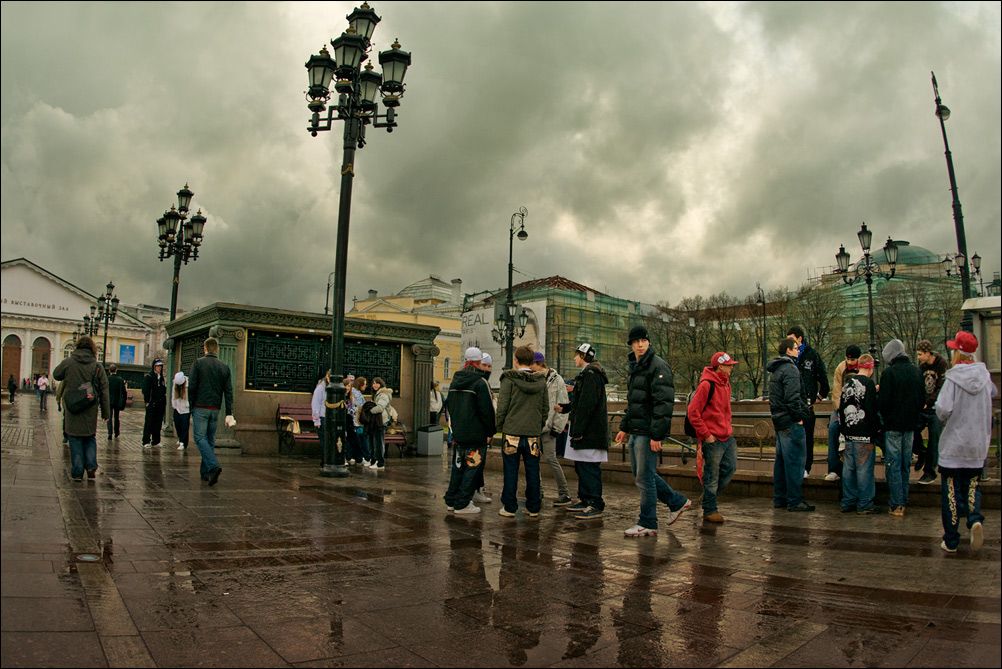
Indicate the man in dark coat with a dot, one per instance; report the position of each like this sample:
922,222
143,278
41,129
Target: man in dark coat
788,406
650,404
471,423
118,396
155,401
82,371
900,399
815,380
933,368
210,385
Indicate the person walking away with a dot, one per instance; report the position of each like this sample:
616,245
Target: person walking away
42,384
650,403
210,388
965,403
12,387
83,373
181,409
556,390
843,372
358,386
521,415
381,396
436,403
155,401
788,408
900,398
470,408
60,389
815,380
933,368
118,395
588,434
710,416
859,422
319,410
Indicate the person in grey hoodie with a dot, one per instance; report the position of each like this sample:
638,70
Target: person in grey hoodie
523,405
965,403
900,399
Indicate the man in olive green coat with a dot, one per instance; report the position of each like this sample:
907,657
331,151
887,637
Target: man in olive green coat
523,406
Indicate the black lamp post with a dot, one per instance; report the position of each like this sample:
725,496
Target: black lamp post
760,299
943,113
867,269
327,298
357,108
107,311
957,261
505,331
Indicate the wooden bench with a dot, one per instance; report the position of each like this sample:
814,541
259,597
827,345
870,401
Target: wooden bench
294,424
396,435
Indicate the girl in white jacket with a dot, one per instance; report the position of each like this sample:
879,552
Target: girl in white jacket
182,412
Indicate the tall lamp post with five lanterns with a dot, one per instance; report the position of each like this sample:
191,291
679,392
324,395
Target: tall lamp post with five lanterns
356,107
867,269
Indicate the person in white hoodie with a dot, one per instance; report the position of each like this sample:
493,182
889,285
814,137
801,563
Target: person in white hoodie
965,404
182,410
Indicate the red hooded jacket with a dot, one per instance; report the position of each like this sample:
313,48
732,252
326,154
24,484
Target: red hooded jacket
715,419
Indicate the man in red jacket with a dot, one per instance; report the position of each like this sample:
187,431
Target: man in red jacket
709,412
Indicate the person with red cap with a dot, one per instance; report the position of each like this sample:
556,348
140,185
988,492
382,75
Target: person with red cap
965,404
709,412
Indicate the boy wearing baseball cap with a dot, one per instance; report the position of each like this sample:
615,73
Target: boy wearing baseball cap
709,412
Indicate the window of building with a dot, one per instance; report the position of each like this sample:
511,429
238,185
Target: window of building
448,368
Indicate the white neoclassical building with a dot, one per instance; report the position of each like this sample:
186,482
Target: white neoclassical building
40,313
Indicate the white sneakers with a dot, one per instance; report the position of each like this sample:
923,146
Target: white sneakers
180,446
831,476
366,463
640,531
480,498
673,515
468,509
806,473
977,536
376,467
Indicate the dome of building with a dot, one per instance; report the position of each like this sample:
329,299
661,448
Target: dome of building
909,255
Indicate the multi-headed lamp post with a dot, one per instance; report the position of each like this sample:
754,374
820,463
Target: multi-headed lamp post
760,299
867,269
505,331
949,262
107,311
356,106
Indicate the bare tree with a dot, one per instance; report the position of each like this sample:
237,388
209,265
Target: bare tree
820,310
947,310
903,310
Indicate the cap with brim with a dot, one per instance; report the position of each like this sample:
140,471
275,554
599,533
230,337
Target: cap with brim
965,342
721,358
473,354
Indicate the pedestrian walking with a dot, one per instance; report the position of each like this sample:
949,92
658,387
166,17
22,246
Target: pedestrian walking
843,372
381,396
155,401
210,388
42,387
522,409
859,422
556,390
709,412
933,368
900,398
965,403
118,396
86,393
181,409
650,403
12,387
815,380
470,408
588,432
788,408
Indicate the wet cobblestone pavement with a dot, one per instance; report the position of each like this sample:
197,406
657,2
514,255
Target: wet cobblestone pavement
274,566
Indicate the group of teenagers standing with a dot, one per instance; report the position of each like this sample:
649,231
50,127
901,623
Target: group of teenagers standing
367,420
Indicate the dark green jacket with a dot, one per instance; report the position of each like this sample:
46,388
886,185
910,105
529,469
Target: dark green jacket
74,371
523,403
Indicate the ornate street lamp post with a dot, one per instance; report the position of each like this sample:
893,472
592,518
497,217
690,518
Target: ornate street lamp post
957,261
760,299
107,311
357,108
943,113
505,331
867,269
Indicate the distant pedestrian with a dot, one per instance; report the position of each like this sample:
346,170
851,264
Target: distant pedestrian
588,432
556,390
470,408
87,383
933,368
650,403
210,388
709,411
788,406
12,387
155,402
843,372
118,396
523,404
965,403
900,398
436,403
381,396
358,386
42,386
815,380
319,410
860,423
181,408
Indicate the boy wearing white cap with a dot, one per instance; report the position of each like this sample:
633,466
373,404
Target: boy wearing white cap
471,416
182,410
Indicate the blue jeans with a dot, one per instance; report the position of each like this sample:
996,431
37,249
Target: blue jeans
653,488
897,465
961,498
834,466
931,450
204,426
788,469
857,475
511,458
720,461
466,460
83,455
363,443
590,483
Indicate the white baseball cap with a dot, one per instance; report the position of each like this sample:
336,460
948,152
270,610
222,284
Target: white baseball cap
473,354
487,359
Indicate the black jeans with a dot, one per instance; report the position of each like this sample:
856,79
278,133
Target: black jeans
467,460
590,483
153,424
809,422
115,423
182,421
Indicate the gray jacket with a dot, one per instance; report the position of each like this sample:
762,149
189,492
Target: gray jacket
965,403
74,371
556,389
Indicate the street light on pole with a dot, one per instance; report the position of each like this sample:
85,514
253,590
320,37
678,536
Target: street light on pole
505,330
357,108
107,311
760,299
867,269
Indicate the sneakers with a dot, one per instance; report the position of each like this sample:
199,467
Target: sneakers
831,476
673,515
78,479
352,461
146,446
898,511
449,508
927,479
468,509
533,514
506,513
365,463
942,544
563,500
806,473
180,446
588,512
91,473
480,498
377,467
977,536
577,506
714,517
803,506
640,531
872,511
214,475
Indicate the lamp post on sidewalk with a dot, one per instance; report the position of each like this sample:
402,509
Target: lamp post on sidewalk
357,108
107,311
505,330
760,299
867,269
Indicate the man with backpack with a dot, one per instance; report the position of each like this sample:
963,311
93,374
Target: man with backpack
709,414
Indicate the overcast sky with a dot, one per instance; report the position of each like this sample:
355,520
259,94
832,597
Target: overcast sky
661,149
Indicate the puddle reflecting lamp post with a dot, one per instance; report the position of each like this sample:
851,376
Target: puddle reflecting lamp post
505,331
867,269
943,113
107,311
357,108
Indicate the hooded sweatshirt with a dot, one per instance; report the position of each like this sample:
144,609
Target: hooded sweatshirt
82,367
715,418
901,395
523,403
965,403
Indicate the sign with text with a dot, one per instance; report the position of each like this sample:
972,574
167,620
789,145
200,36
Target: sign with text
477,326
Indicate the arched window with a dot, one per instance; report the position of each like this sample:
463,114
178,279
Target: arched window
41,352
69,348
12,358
448,366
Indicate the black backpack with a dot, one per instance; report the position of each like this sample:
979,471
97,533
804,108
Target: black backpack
689,429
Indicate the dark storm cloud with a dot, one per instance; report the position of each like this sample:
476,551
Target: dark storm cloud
662,149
